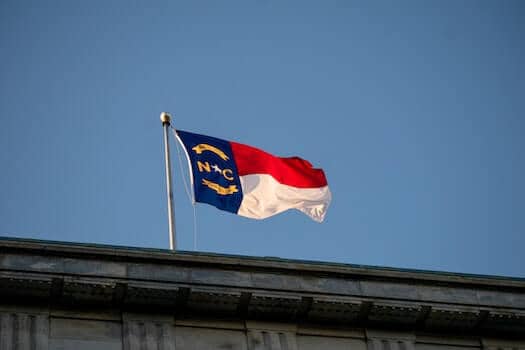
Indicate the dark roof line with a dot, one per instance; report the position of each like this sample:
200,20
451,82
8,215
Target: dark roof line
246,258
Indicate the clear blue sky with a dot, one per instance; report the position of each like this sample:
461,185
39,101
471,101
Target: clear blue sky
415,110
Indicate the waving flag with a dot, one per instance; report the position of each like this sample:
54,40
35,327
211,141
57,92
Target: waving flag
250,182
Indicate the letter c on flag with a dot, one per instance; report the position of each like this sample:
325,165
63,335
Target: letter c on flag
229,176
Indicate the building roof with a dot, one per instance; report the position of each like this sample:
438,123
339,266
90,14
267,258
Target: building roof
190,283
268,261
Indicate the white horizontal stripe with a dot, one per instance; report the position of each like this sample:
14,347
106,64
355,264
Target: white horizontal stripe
263,196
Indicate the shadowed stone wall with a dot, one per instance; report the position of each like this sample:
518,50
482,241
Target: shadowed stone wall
81,330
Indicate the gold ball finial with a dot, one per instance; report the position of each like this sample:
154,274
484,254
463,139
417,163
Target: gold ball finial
165,117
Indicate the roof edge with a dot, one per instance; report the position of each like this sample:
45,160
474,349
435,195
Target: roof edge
113,251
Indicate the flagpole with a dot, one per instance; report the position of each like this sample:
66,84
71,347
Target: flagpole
165,118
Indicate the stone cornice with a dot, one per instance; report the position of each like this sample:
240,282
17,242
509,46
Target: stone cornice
181,283
238,262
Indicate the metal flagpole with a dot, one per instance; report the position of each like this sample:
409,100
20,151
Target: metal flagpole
165,118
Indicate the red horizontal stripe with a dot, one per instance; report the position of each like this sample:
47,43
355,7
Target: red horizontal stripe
292,171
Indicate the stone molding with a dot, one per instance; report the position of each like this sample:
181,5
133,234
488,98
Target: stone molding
189,285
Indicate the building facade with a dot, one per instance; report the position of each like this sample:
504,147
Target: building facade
56,295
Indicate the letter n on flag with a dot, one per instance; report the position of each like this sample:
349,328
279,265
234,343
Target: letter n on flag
250,182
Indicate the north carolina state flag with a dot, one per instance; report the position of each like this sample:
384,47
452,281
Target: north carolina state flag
250,182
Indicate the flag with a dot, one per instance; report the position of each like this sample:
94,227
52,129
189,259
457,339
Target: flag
250,182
